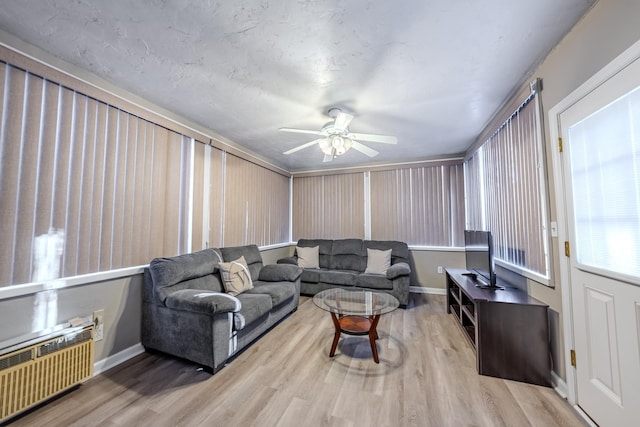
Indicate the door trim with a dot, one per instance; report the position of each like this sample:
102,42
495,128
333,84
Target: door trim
607,72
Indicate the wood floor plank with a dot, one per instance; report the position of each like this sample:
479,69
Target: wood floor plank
426,377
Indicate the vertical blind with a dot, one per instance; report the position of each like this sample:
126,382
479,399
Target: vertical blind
87,187
422,206
84,186
505,192
328,207
256,204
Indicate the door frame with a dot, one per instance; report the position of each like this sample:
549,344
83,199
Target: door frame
607,72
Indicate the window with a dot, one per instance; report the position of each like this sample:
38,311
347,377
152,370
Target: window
84,186
256,204
422,206
88,186
506,193
328,207
605,173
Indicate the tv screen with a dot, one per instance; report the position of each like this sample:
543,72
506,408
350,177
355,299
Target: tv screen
478,246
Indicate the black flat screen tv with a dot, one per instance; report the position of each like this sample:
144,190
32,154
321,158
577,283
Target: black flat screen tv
478,247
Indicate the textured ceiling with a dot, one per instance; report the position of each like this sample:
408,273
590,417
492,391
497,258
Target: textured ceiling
431,73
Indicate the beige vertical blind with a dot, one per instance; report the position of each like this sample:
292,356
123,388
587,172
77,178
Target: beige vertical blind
216,197
473,196
197,184
328,207
421,206
506,192
256,204
84,186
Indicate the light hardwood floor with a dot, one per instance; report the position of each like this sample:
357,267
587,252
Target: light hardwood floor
426,377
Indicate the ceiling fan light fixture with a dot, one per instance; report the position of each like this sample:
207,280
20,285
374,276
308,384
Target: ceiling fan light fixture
325,146
337,139
340,144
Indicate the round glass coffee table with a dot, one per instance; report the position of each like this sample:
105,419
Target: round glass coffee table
355,313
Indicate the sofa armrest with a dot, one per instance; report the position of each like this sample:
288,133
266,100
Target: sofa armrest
288,260
280,273
397,270
199,301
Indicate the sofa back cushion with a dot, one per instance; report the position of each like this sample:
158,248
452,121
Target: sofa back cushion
324,249
399,250
251,254
347,254
196,270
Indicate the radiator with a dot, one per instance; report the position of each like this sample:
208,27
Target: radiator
36,372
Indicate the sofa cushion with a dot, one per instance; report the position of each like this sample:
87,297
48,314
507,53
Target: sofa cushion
311,276
324,249
251,254
209,283
337,277
347,254
169,273
254,307
308,257
198,301
235,276
373,281
279,273
279,292
378,262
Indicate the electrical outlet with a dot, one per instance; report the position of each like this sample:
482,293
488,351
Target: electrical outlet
440,270
98,325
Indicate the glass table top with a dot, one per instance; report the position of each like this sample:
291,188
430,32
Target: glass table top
355,303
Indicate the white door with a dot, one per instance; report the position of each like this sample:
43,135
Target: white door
601,165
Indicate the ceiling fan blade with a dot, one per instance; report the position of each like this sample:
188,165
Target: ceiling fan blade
364,149
312,132
384,139
300,147
329,157
342,121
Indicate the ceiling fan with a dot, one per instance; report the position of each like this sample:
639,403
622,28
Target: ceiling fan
336,138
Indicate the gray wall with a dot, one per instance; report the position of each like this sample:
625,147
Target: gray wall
120,299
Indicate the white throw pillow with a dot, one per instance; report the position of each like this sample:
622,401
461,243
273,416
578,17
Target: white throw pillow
235,276
308,257
378,262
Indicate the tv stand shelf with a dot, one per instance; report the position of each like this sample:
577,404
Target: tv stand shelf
507,329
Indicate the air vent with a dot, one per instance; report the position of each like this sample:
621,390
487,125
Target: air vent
16,359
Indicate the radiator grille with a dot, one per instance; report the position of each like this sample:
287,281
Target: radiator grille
31,375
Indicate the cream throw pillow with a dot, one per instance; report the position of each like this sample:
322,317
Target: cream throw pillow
378,262
235,276
308,257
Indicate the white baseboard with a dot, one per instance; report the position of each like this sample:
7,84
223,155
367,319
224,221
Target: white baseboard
116,359
425,290
559,385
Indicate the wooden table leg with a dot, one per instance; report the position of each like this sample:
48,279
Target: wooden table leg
336,337
373,336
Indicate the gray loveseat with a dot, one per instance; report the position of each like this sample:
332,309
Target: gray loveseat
343,263
186,313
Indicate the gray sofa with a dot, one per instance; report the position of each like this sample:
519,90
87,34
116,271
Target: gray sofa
186,313
343,263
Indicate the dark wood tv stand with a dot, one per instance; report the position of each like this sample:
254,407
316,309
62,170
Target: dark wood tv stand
508,329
